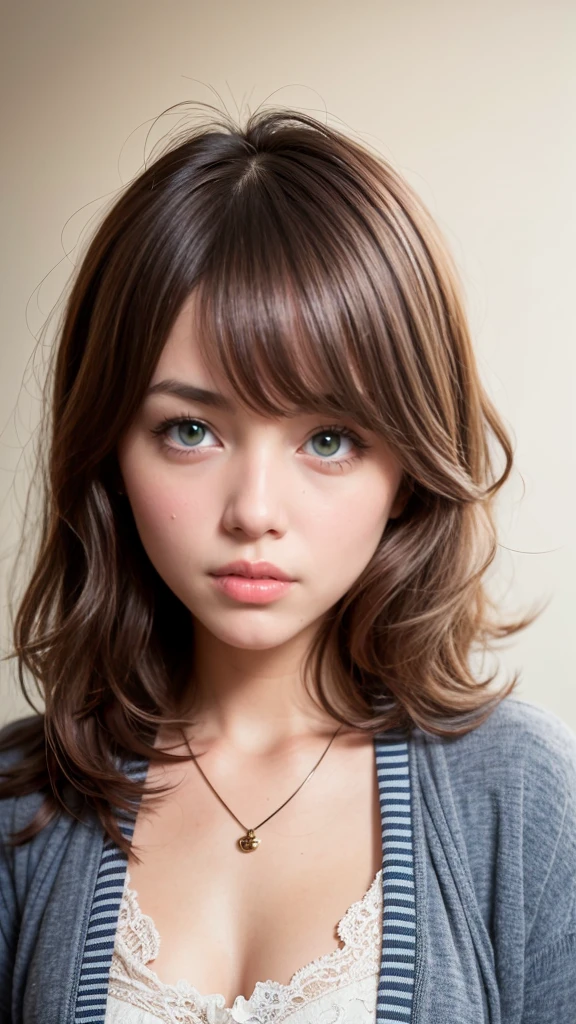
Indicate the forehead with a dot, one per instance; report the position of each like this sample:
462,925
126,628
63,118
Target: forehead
271,349
182,357
183,369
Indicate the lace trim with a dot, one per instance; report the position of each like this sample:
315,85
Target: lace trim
138,941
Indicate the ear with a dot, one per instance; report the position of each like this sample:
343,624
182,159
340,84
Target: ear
401,500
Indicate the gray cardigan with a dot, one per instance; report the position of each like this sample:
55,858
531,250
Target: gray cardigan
494,840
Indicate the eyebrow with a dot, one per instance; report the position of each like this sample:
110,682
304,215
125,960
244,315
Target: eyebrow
192,393
189,392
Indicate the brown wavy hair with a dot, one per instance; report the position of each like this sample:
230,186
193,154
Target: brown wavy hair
323,283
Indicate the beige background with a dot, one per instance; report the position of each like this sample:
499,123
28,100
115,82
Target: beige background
473,103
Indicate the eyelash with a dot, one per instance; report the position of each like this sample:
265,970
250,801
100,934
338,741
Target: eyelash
162,429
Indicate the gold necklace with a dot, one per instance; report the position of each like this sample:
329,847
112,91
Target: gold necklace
250,840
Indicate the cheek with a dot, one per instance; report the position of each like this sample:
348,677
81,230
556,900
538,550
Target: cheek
342,538
169,517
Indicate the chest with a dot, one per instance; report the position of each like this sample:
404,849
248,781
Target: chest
437,960
229,919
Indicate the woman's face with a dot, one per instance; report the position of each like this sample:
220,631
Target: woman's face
228,484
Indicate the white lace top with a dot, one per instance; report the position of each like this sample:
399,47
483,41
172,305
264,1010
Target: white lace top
339,986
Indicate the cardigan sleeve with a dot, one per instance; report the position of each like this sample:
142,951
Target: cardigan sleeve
550,965
550,990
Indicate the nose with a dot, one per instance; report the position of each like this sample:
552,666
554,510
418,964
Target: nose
256,489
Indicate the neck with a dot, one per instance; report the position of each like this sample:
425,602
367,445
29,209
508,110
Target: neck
254,701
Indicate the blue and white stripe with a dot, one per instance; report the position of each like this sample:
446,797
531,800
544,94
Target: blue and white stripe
92,992
396,984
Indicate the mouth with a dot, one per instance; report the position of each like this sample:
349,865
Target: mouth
253,571
247,576
251,589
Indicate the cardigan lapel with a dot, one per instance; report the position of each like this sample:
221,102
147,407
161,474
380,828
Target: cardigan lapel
397,966
50,997
93,973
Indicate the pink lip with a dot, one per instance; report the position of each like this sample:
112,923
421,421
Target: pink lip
252,570
252,591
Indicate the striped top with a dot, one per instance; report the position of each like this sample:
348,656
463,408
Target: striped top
99,944
396,982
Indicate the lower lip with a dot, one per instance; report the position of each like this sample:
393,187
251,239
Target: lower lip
252,591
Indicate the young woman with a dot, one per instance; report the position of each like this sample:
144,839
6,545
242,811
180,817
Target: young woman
267,784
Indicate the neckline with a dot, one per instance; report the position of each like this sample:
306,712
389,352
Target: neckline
217,999
403,894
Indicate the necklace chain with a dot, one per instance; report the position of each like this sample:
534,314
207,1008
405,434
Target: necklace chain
250,841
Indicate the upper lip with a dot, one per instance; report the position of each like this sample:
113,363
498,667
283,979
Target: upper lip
254,569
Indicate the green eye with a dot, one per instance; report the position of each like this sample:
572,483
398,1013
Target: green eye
329,440
189,432
181,433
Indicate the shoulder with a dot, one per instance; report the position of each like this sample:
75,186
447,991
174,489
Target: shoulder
46,881
520,764
17,738
20,799
506,790
525,757
518,739
26,790
16,735
60,837
528,729
514,774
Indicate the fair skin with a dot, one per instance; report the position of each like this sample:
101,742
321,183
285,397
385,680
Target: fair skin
250,487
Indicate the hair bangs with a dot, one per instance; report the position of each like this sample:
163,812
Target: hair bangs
281,315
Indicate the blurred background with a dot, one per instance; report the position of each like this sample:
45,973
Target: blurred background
472,103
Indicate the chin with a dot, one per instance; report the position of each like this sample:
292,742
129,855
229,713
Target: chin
251,635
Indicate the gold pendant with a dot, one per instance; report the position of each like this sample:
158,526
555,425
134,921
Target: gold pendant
249,841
